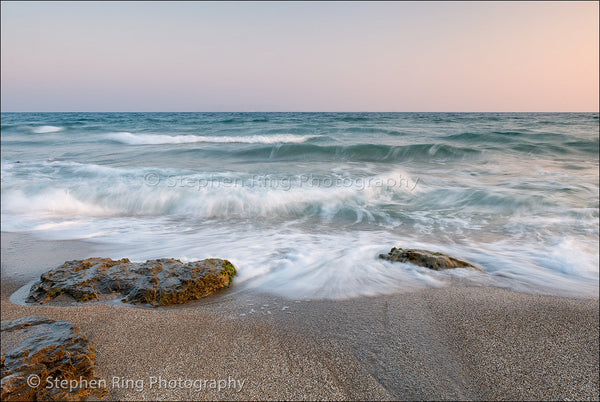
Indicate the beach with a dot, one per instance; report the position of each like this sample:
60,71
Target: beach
300,201
454,342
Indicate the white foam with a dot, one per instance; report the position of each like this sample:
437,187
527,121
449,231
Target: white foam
158,139
291,264
299,261
142,192
47,129
278,234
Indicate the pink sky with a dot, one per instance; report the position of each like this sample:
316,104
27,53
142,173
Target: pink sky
300,56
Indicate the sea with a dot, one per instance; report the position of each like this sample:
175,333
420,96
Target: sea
303,203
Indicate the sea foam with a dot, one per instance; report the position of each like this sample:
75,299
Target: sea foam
46,129
158,139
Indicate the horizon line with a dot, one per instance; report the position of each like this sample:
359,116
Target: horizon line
289,111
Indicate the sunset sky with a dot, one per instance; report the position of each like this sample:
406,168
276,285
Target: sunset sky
300,56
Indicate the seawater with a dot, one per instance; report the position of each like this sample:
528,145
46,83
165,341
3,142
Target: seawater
303,203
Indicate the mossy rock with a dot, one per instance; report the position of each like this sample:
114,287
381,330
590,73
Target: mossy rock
425,258
43,349
157,282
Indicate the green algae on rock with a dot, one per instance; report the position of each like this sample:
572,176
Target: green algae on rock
37,351
424,258
157,282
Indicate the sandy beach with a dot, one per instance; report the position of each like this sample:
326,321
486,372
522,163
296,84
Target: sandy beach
456,342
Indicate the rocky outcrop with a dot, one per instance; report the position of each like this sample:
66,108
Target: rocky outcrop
156,282
43,359
425,258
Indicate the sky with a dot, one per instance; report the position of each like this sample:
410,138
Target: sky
300,56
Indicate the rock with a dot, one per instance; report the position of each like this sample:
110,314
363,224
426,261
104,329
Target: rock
425,258
44,350
157,282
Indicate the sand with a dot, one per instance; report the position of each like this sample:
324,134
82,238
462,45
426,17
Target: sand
456,342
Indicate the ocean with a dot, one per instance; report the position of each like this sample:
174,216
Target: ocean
303,203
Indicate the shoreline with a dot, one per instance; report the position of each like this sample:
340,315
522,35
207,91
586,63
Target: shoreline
455,342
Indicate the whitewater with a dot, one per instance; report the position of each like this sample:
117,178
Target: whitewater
303,203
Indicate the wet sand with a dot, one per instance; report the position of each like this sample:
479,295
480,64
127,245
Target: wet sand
455,342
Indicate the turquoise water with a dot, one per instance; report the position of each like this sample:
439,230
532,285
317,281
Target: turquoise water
303,203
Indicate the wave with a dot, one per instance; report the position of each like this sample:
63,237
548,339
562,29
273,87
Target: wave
539,149
243,120
158,139
293,260
585,146
65,188
46,129
509,136
529,143
361,152
352,118
97,191
374,130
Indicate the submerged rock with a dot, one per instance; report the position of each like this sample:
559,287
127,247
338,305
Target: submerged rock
425,258
157,282
44,359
